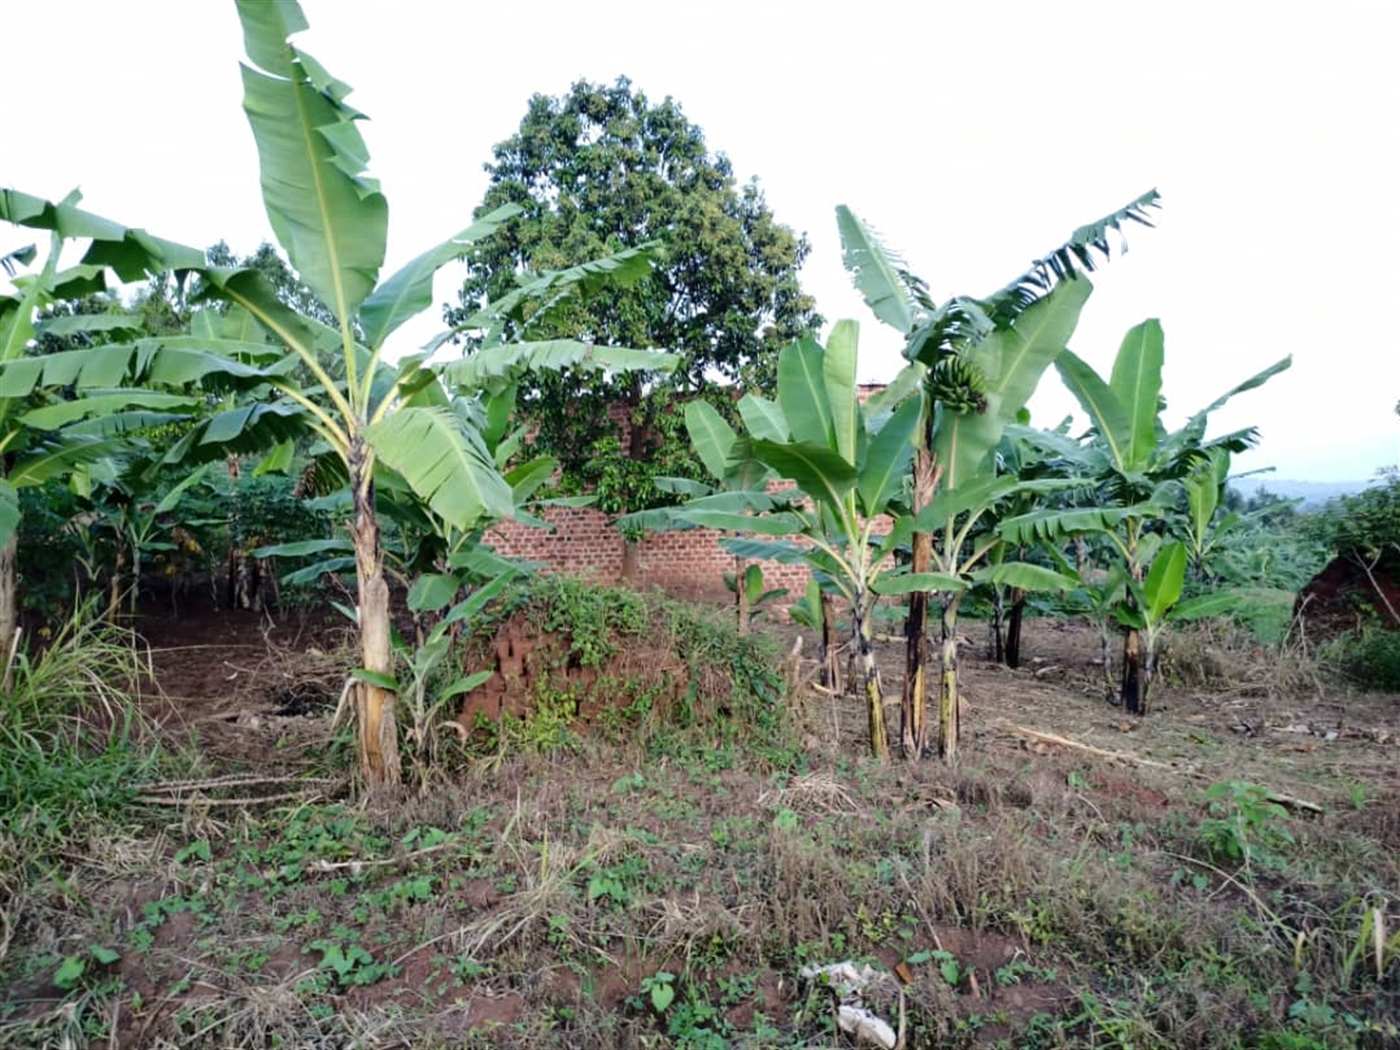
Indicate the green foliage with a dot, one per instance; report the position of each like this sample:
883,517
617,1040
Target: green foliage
603,168
75,749
695,673
1366,524
1244,826
51,550
1369,659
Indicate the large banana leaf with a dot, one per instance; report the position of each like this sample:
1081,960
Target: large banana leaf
802,395
712,438
1055,524
1070,260
887,459
1193,433
916,582
445,462
880,282
1013,360
244,429
1165,580
87,324
764,418
534,303
1136,384
818,471
762,524
1108,417
410,291
1025,576
839,372
328,215
133,254
500,365
106,403
168,362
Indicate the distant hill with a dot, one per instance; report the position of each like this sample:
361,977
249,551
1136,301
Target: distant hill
1313,493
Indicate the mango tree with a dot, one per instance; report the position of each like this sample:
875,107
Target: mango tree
1137,467
848,465
965,403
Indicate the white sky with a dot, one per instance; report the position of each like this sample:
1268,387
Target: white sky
974,136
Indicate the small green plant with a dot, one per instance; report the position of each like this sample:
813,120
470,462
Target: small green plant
1244,826
948,966
350,962
660,990
74,968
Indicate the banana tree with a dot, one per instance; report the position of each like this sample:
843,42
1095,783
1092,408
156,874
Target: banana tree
966,403
1138,467
848,465
81,421
331,219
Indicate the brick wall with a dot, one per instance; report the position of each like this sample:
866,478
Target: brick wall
582,542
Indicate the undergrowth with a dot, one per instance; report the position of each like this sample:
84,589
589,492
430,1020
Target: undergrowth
666,879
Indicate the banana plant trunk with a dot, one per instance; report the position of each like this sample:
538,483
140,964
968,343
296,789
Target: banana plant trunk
949,729
1134,684
9,605
870,680
741,596
831,650
114,588
1013,627
378,740
914,701
998,625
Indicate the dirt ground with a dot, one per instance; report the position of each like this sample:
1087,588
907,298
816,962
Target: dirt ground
255,695
251,687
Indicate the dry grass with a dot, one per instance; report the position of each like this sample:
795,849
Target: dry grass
1034,896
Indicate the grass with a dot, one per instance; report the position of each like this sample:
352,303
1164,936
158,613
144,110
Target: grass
665,882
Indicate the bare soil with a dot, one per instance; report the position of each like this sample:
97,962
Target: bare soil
528,899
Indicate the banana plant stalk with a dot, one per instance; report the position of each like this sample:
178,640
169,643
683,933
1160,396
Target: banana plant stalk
970,389
848,464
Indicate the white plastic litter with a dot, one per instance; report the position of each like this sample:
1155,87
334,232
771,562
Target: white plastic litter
848,981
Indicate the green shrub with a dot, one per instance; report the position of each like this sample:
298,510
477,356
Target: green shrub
1370,659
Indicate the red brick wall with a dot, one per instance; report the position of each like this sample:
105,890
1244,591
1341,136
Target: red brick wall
583,543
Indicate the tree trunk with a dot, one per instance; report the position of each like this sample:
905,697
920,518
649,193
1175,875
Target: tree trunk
913,707
114,590
870,680
1013,627
741,596
630,560
378,737
1132,692
9,606
998,626
949,727
830,649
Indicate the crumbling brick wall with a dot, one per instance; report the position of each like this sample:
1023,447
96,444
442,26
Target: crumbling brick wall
582,542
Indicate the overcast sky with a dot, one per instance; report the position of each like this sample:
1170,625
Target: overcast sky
973,136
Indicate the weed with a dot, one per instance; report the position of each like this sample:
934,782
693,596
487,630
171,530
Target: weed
1244,825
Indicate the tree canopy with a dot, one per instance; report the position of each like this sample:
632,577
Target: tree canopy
602,169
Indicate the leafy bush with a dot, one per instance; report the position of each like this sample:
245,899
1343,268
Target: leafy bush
50,549
1370,659
630,657
73,747
1367,523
